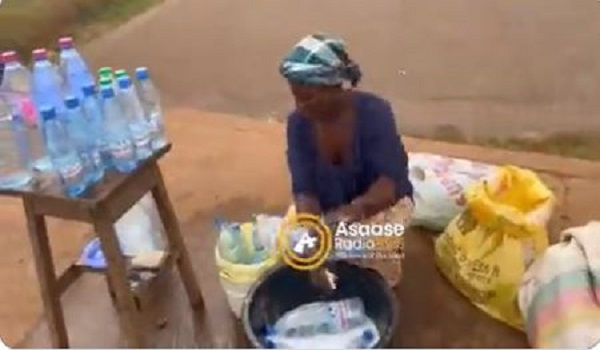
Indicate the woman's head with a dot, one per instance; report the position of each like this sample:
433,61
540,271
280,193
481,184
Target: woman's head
317,69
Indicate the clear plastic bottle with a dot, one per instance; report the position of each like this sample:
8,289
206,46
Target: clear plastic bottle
152,109
47,87
63,155
73,68
134,114
93,114
116,133
16,90
322,318
15,167
81,133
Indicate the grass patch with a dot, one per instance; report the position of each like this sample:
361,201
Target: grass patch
572,145
583,146
29,24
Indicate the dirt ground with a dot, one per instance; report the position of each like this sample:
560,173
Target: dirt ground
235,166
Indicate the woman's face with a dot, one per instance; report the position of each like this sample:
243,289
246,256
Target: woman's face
319,103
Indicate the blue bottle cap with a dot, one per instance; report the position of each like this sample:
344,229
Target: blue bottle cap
107,92
141,73
124,82
89,90
71,102
48,113
368,336
269,344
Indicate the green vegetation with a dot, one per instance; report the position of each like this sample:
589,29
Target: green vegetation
567,145
574,145
28,24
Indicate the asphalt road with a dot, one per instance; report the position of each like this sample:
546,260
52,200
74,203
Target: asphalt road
486,67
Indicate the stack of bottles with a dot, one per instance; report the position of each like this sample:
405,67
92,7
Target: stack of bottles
57,122
248,243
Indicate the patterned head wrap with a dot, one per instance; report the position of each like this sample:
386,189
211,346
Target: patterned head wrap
319,59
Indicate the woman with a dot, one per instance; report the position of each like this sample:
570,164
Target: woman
344,154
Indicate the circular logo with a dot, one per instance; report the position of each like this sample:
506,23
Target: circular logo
304,241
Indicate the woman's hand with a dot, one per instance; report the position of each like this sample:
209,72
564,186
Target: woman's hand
346,213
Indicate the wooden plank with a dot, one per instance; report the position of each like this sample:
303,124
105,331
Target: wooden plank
49,289
126,194
62,208
52,197
130,318
70,275
176,242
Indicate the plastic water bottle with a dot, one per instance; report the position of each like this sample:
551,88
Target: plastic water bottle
116,133
16,87
47,87
16,77
82,136
323,318
63,155
93,114
133,112
73,68
15,168
152,108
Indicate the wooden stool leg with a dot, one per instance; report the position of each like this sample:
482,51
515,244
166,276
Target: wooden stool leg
130,318
42,255
173,233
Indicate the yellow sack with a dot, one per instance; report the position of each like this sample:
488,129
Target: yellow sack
485,251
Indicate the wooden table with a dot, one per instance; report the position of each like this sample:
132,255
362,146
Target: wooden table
102,206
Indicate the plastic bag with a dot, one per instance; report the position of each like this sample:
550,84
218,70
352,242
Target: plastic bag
559,293
267,229
140,229
339,324
439,184
485,251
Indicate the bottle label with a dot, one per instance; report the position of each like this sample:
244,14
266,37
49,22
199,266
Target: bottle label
122,150
142,141
72,171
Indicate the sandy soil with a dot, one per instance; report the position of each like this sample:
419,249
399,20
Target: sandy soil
236,166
